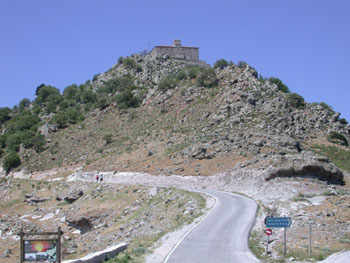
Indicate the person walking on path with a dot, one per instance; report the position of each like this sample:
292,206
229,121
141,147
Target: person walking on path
97,178
101,178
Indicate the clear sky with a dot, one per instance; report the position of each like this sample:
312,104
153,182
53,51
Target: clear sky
305,43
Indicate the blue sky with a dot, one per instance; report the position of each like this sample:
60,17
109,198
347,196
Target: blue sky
304,43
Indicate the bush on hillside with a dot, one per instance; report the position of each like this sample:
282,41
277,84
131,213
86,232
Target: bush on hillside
207,78
5,114
193,71
47,94
167,82
337,138
295,100
23,104
221,63
131,64
280,85
1,152
326,106
127,99
21,122
2,141
242,64
108,138
11,161
60,119
72,92
88,96
181,75
38,142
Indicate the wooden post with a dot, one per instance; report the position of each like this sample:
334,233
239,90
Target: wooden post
309,239
58,248
285,241
21,256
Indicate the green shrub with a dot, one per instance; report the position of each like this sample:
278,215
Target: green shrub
295,100
1,152
38,142
280,85
101,103
5,114
242,64
74,116
94,78
193,71
207,78
326,106
2,140
88,96
47,94
108,138
131,64
221,63
60,119
167,82
21,122
11,161
71,92
343,121
181,75
337,138
24,103
127,99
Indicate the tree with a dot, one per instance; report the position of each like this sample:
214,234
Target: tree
167,82
5,114
71,92
38,142
46,93
11,161
280,85
296,100
221,63
23,104
207,78
127,99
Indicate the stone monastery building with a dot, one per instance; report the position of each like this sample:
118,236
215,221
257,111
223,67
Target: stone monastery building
188,54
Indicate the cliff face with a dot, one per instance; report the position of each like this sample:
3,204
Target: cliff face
188,120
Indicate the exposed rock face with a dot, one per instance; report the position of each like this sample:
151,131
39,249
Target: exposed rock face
83,223
73,196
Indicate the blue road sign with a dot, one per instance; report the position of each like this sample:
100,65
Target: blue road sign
278,222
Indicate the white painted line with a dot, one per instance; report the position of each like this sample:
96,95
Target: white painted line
190,230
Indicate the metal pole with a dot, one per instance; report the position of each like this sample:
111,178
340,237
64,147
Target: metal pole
21,246
58,249
309,239
267,245
285,241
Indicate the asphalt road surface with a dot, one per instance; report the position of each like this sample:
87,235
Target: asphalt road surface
222,237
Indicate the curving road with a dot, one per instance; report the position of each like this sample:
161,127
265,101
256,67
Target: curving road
222,236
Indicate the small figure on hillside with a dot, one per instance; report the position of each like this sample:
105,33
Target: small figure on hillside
101,178
97,178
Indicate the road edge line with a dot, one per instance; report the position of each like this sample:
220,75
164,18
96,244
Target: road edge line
190,230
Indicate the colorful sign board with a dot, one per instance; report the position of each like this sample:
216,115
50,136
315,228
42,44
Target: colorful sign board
40,250
278,222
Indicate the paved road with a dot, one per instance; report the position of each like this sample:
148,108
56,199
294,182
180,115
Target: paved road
222,237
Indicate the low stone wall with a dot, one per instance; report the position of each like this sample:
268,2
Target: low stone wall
100,256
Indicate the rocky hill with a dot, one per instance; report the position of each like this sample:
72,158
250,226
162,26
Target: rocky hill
227,126
161,116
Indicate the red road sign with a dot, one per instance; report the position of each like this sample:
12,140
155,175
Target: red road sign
268,231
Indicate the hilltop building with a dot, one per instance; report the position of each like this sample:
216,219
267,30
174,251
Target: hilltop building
188,54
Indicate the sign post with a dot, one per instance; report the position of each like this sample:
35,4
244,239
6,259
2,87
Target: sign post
48,250
280,222
268,232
